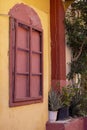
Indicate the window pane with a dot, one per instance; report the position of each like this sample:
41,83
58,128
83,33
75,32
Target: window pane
21,86
22,61
36,63
36,41
35,86
22,37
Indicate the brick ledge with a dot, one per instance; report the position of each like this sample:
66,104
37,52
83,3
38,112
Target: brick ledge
72,124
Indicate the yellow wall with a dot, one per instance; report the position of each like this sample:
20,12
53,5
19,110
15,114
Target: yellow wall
29,117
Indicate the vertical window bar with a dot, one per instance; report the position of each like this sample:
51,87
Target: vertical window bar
14,54
12,57
30,59
41,64
28,64
15,69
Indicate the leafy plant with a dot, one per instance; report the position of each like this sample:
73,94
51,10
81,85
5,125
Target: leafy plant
76,31
78,105
66,95
54,100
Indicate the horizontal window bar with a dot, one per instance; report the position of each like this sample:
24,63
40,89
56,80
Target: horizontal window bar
27,99
37,52
23,49
37,74
22,73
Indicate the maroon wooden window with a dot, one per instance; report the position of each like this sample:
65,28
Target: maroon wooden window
26,68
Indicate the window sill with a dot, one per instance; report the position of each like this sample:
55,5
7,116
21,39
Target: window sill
21,103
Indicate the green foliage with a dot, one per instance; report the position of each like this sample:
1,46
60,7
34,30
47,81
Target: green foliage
76,31
73,96
78,105
66,95
54,100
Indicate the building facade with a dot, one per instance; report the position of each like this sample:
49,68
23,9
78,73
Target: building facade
31,30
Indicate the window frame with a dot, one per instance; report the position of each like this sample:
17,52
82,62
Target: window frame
12,36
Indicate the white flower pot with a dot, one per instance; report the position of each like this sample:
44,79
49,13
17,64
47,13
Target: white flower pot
52,115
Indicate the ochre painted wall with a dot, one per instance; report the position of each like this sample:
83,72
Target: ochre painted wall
28,117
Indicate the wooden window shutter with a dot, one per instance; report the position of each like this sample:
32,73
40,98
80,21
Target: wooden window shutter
36,71
26,61
21,62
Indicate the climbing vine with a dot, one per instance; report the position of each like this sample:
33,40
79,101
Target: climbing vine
76,32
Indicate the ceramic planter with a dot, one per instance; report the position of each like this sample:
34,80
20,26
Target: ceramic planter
52,115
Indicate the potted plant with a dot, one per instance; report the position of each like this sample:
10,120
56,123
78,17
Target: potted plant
54,103
78,105
66,97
